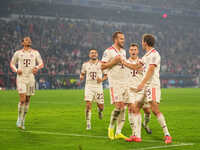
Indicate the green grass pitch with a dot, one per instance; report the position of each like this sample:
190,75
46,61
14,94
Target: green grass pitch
56,121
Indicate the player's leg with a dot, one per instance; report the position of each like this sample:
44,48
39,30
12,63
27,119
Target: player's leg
21,106
130,118
122,116
154,99
161,120
88,114
114,97
120,124
26,107
30,90
136,117
147,117
100,103
21,87
89,96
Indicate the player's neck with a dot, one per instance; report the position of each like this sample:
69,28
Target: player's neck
94,61
134,57
116,47
148,49
26,48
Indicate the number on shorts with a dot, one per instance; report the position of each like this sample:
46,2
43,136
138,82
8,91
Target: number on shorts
100,96
148,92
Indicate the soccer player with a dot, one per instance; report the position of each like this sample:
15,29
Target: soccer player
111,61
28,63
151,85
93,86
135,75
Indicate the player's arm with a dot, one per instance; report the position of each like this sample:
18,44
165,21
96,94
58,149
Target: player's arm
147,77
148,74
83,72
13,64
39,62
110,64
132,66
82,76
105,77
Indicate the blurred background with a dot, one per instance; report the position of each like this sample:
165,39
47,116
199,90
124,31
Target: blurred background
64,30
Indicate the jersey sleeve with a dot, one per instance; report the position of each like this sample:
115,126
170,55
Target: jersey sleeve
106,56
83,68
154,59
13,62
39,61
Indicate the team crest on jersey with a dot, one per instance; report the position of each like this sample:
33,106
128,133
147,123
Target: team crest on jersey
31,55
21,55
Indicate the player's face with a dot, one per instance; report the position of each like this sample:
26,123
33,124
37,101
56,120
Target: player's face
93,54
27,41
133,51
120,40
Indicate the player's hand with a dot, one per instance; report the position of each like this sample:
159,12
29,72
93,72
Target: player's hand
140,87
99,80
19,71
123,62
118,59
81,78
34,70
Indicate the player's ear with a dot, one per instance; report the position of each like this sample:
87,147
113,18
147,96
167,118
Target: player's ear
22,42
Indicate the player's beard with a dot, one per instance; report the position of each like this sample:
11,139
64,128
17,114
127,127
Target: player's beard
94,58
120,45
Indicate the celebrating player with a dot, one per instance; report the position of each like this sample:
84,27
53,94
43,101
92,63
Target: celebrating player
151,84
117,78
93,86
135,75
29,62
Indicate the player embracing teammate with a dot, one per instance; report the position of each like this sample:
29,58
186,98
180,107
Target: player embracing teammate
145,92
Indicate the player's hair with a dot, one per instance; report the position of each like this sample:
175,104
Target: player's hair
149,39
134,44
93,49
115,34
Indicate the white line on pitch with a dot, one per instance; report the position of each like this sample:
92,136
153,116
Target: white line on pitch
75,135
69,134
165,146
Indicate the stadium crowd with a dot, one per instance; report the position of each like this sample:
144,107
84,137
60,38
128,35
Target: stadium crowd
64,44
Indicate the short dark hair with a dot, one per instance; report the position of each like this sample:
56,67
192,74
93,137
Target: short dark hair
134,44
115,34
149,39
93,49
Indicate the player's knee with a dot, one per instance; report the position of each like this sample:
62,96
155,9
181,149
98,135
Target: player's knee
27,99
22,98
147,111
88,106
156,112
101,106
